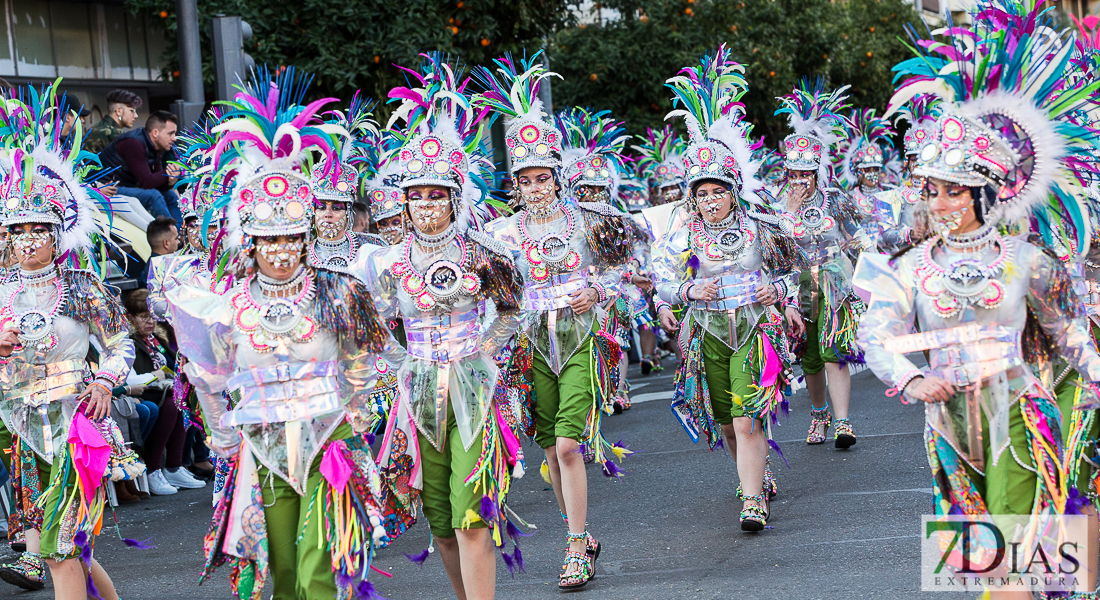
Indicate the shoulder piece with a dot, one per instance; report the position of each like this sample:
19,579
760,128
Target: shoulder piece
843,205
780,251
500,279
343,304
369,239
90,300
611,234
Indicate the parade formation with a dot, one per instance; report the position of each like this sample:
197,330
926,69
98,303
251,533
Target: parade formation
354,384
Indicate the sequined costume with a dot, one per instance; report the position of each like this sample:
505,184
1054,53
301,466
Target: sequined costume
303,495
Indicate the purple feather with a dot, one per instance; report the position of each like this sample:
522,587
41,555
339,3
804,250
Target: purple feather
370,438
610,469
775,446
519,560
509,564
1076,503
488,508
514,532
93,592
720,443
785,406
693,263
142,545
366,591
419,558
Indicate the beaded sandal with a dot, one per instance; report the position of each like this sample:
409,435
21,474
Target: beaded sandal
770,485
19,542
822,417
845,437
754,516
592,547
28,572
586,564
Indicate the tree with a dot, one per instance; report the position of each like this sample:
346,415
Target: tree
622,65
354,44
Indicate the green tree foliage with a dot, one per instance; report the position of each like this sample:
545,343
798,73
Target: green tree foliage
354,44
622,65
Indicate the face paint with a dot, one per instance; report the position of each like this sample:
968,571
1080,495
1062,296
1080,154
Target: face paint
712,203
427,211
283,255
26,244
951,221
329,231
539,197
393,234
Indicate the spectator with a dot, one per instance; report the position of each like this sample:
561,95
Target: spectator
140,158
122,107
71,106
360,217
164,239
155,364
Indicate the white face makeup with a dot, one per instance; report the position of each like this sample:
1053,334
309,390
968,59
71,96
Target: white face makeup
429,208
870,176
714,201
951,206
331,219
537,188
280,253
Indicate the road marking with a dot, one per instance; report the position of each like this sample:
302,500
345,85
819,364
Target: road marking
637,386
651,396
696,448
920,490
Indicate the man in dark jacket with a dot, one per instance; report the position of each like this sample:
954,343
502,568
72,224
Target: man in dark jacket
140,161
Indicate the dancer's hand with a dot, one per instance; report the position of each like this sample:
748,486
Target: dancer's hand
226,453
97,401
795,326
668,320
766,294
930,389
643,282
706,292
582,300
9,341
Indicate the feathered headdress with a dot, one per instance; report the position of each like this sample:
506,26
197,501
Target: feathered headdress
921,112
1010,120
265,137
707,96
512,91
381,175
195,147
662,157
442,141
867,134
342,181
814,114
43,173
594,142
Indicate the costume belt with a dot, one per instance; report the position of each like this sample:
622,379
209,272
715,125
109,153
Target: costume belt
734,291
444,340
36,386
284,392
965,356
550,297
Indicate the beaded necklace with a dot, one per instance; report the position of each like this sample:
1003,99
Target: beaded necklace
280,315
338,254
727,243
551,253
442,282
36,327
814,220
966,281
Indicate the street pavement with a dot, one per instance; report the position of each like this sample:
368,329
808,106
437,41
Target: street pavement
845,523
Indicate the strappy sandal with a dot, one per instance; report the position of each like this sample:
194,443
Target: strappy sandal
19,543
755,516
585,561
592,547
818,416
845,436
770,485
29,572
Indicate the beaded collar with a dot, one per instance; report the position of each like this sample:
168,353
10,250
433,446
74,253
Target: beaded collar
443,281
335,255
274,318
966,281
729,241
813,219
550,254
36,326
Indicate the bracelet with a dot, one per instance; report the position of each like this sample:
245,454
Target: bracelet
658,305
628,276
601,293
906,379
100,384
683,291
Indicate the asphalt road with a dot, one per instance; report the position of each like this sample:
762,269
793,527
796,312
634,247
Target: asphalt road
845,523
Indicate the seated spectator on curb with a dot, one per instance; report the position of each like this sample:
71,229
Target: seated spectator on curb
164,239
140,159
122,107
155,365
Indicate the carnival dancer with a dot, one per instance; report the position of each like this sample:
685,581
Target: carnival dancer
863,167
987,304
458,293
336,245
571,256
634,192
738,275
826,224
385,198
593,170
908,215
51,311
296,346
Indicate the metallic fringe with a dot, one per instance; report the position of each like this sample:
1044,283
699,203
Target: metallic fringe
781,253
1042,422
500,279
90,302
343,304
611,238
845,209
247,576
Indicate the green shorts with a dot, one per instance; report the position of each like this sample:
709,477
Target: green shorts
816,351
563,401
728,378
54,543
446,496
